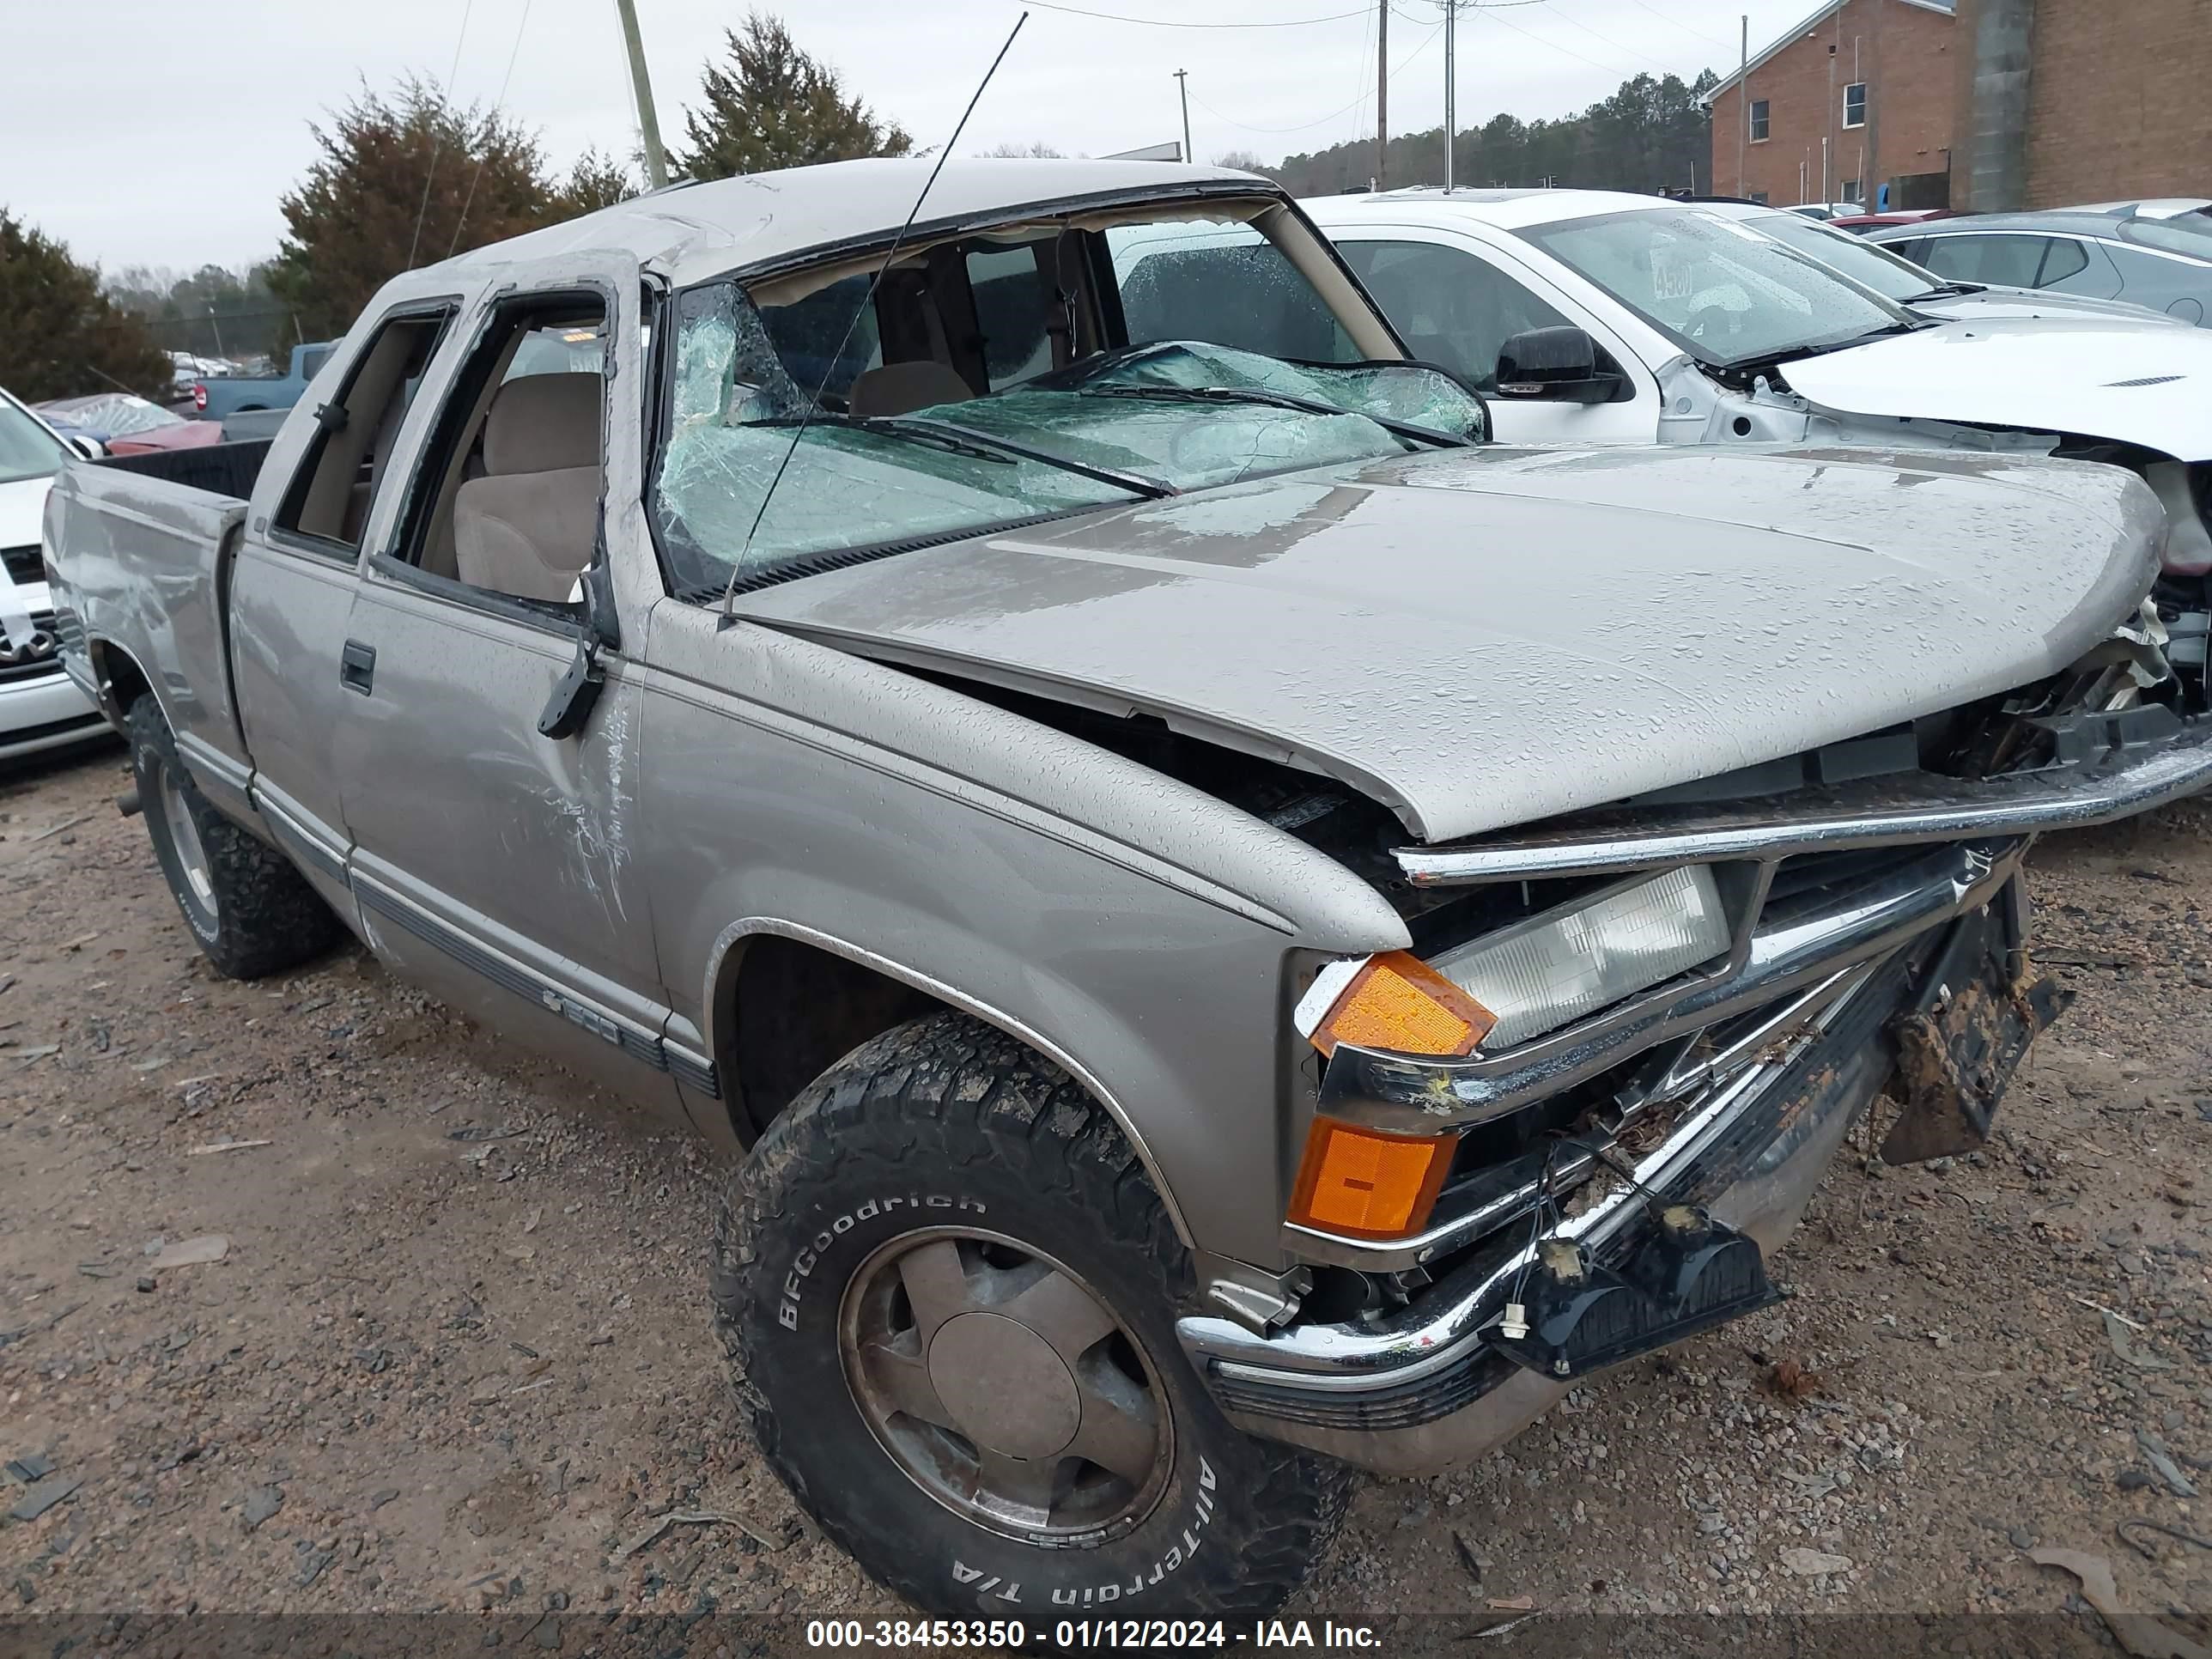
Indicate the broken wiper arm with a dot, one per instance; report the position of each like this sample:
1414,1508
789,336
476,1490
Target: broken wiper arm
1135,482
1237,394
958,440
917,432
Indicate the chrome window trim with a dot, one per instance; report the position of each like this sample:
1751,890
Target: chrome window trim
1934,231
2015,805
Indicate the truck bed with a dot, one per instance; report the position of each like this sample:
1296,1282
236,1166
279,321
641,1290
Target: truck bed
142,546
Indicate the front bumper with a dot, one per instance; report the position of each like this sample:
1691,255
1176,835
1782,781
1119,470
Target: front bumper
45,711
1431,1385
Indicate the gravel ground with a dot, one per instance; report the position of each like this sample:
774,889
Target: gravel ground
455,1353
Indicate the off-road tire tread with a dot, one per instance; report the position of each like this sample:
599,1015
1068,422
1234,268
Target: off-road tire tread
948,1090
268,918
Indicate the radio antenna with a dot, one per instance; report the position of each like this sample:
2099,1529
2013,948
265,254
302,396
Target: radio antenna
805,415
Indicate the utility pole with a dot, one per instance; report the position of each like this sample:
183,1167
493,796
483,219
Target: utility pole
1182,89
1743,102
1382,93
640,85
1451,84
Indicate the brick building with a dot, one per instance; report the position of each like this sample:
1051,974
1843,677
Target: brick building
2079,100
1858,95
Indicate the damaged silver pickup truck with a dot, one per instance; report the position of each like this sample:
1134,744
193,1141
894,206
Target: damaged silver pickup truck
1247,932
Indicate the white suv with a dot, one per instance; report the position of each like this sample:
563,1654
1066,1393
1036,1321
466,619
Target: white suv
1625,318
40,706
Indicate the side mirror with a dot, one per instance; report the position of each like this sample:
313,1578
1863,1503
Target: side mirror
1556,364
91,448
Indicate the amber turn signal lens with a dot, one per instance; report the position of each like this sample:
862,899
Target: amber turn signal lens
1355,1180
1396,1002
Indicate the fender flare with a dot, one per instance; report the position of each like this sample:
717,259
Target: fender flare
730,941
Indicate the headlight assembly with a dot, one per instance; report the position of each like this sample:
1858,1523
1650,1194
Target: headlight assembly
1540,974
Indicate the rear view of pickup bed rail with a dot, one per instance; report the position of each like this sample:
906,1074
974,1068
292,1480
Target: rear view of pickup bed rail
1231,930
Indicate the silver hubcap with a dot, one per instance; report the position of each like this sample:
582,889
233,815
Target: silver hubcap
1004,1387
185,836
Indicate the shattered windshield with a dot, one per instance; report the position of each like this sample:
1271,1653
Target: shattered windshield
1722,291
913,454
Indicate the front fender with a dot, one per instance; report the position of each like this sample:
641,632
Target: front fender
1136,930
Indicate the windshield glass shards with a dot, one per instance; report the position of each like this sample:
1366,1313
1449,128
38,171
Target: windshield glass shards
1722,291
908,451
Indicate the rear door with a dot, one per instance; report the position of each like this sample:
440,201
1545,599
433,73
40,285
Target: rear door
491,860
292,587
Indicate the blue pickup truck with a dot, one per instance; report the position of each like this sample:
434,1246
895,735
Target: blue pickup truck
232,394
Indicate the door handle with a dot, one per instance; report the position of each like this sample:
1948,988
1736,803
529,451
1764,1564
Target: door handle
357,667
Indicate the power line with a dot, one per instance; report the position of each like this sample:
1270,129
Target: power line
521,28
1606,41
1180,23
438,138
1243,126
1678,23
1540,40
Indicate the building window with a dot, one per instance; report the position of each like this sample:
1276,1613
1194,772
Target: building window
1759,120
1759,197
1851,191
1854,104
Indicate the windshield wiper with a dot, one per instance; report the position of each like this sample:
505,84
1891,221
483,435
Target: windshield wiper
958,440
1798,354
1945,291
1236,394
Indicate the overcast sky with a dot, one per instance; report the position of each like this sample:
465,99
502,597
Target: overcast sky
156,132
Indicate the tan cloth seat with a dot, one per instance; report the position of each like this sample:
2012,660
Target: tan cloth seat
901,388
526,526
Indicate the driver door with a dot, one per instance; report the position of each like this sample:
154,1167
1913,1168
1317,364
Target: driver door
490,860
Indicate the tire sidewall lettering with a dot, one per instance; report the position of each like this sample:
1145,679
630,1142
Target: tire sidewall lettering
1185,1538
808,1257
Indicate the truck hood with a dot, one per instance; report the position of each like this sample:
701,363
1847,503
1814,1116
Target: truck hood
2146,383
1482,639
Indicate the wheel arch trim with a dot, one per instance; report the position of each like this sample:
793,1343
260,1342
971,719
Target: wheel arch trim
721,962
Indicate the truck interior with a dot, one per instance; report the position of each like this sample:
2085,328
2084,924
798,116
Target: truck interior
506,498
329,497
972,315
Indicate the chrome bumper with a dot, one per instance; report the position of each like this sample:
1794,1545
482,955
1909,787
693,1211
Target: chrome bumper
1422,1389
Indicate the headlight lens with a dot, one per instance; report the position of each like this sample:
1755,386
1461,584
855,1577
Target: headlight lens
1540,974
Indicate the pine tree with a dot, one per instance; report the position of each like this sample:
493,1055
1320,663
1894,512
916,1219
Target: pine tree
596,181
404,179
772,105
64,337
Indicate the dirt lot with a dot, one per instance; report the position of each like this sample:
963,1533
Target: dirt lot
456,1355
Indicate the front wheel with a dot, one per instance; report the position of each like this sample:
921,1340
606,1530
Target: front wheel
949,1291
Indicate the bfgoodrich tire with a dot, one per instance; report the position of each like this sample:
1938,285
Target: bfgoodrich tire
252,913
948,1290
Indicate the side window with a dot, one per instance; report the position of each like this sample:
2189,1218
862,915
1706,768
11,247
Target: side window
1454,308
2008,261
2073,267
328,500
1244,293
506,499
